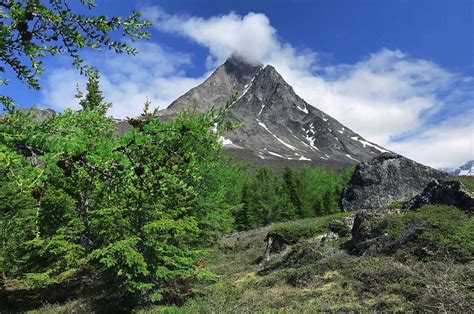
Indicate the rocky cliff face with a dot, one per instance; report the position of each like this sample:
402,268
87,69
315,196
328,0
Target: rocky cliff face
385,179
278,126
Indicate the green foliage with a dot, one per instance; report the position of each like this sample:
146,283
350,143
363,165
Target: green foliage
449,232
133,210
347,174
264,201
245,215
293,231
309,192
93,98
220,197
467,181
321,189
292,185
32,29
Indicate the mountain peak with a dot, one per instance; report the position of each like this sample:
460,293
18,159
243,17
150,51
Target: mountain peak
238,68
278,128
238,60
231,77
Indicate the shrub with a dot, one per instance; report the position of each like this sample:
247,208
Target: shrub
340,228
449,232
292,232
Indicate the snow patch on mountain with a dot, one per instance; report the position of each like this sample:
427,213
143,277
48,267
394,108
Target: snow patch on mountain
356,138
276,137
304,109
227,143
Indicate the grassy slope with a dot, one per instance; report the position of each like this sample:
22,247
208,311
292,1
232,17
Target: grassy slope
333,280
433,272
467,181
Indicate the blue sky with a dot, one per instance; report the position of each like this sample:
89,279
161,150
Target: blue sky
400,73
349,30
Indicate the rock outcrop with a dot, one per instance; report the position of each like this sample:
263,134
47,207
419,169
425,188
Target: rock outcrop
385,179
369,239
443,192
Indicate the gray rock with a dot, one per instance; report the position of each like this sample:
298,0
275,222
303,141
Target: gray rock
385,179
443,192
300,254
39,115
364,222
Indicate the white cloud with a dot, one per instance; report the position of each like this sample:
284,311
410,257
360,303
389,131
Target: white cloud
387,94
222,34
378,97
126,81
449,144
60,88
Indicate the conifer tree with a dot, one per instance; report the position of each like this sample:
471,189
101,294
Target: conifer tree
94,99
284,209
266,195
243,216
329,203
124,208
292,187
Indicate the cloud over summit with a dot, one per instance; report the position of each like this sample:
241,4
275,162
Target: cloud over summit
250,36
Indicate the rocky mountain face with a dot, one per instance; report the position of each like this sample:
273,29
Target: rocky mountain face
465,170
385,179
39,114
279,127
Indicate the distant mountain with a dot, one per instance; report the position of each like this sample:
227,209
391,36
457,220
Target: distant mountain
39,114
279,127
465,170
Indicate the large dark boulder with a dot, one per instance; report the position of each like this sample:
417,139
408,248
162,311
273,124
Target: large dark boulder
443,192
385,179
